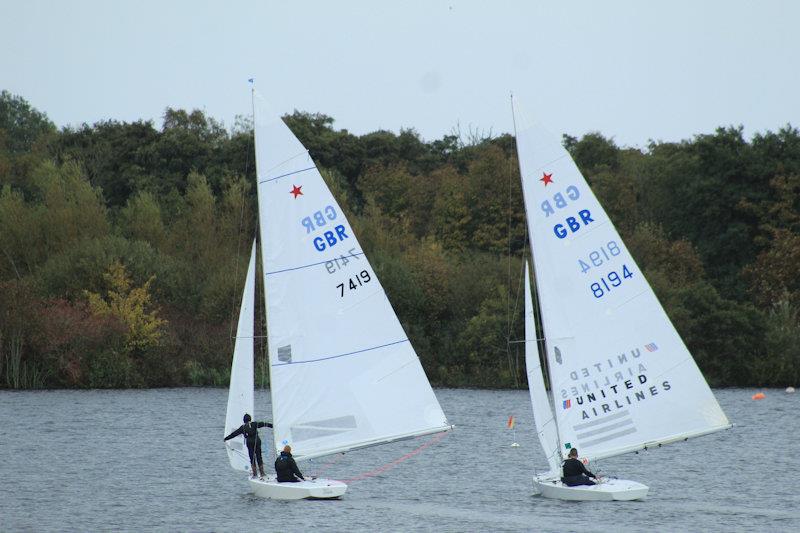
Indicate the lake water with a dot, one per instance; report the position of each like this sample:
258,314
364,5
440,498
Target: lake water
154,460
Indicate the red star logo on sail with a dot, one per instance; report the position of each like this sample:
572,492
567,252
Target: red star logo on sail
296,190
546,178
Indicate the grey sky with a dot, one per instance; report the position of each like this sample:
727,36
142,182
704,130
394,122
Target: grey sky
634,70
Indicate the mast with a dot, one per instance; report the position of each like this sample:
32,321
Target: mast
541,341
260,223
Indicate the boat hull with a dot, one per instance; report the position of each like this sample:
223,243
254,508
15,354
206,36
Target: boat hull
315,489
609,489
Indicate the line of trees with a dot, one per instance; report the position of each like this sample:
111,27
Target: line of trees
123,247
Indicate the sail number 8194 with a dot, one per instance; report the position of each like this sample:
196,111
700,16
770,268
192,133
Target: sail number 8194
355,282
609,281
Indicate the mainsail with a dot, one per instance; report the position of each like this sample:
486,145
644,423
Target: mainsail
343,372
621,377
542,412
240,394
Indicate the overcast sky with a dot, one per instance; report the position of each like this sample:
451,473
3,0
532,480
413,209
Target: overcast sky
633,70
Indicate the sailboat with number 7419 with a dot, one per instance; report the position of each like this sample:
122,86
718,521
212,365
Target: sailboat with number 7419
343,373
621,377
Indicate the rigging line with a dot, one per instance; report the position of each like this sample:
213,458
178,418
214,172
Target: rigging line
263,348
325,467
513,312
509,312
304,152
240,453
326,358
521,278
243,199
388,466
312,264
287,174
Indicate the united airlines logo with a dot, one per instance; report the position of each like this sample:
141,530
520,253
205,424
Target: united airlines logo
610,386
604,429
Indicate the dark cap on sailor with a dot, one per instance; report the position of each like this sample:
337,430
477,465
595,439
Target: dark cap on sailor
246,418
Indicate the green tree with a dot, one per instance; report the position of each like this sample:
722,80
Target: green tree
20,124
141,219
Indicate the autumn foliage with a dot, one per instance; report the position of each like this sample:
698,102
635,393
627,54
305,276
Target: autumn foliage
123,246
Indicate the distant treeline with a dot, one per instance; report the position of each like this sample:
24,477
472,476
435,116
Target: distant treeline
123,247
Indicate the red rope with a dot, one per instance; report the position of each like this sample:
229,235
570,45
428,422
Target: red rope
389,466
326,466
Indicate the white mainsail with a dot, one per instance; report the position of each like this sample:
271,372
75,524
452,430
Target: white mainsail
542,412
621,377
343,372
240,394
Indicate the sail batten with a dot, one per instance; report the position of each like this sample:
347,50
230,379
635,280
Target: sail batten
621,377
317,359
375,442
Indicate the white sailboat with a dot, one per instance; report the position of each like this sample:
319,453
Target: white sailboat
343,373
621,377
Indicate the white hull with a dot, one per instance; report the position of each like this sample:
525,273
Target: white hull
316,489
608,489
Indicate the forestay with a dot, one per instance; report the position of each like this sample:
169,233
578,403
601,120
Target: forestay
622,378
343,372
240,394
542,412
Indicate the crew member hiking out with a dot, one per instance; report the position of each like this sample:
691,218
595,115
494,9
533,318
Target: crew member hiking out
250,431
574,472
285,466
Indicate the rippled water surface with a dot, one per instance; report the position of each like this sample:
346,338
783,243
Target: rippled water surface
154,460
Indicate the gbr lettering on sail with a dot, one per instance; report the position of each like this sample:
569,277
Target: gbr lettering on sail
570,224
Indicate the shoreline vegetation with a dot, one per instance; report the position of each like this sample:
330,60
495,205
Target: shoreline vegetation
123,246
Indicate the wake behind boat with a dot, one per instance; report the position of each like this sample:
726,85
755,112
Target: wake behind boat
343,373
621,377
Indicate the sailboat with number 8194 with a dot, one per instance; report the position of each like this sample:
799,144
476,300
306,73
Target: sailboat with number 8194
621,378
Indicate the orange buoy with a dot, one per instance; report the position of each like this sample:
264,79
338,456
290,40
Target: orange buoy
759,396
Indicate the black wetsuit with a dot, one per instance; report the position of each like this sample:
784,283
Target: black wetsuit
286,468
576,474
251,438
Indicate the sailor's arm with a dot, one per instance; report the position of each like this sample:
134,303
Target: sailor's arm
296,470
234,433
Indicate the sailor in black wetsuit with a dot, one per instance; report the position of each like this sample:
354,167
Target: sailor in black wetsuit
574,472
286,468
250,431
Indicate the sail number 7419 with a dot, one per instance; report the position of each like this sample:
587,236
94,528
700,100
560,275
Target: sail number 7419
610,281
355,282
